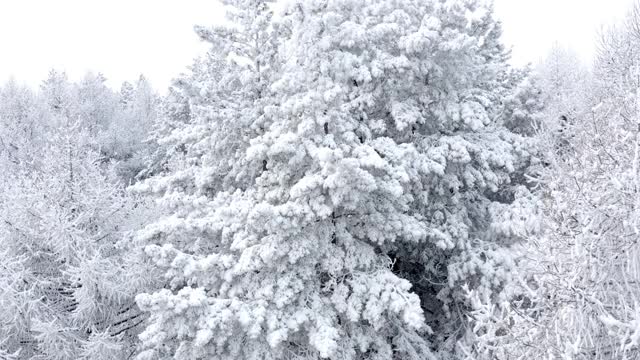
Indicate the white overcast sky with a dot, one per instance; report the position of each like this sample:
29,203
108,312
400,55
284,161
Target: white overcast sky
123,38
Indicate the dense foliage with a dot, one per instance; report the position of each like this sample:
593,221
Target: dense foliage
337,179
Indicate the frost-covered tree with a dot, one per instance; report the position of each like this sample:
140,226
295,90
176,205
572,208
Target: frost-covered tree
565,81
57,92
127,94
581,283
96,103
567,92
579,296
344,194
69,273
125,139
21,123
120,123
617,57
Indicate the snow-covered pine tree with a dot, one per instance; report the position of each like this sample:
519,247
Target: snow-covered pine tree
180,105
353,203
228,86
524,106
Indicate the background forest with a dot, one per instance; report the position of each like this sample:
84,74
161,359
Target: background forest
337,179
